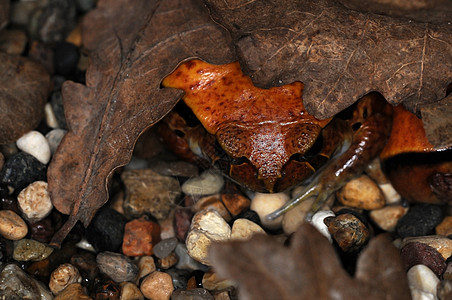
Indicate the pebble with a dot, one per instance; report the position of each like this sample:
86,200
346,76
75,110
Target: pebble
2,160
317,221
348,231
73,291
56,100
146,266
391,195
34,201
85,262
192,294
214,203
117,266
50,118
130,291
63,276
168,262
164,248
54,138
447,274
445,227
235,203
149,192
157,286
420,295
442,244
387,217
180,278
208,183
30,250
186,262
244,229
21,169
182,221
167,227
420,220
420,277
296,216
42,231
362,193
16,284
106,231
211,282
66,56
415,253
12,226
264,204
107,289
34,143
139,237
207,226
13,41
444,290
177,168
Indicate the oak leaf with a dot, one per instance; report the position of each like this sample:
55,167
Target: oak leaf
132,46
339,54
309,269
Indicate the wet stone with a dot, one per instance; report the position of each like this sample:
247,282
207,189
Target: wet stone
34,201
105,233
30,250
420,220
362,193
21,169
63,276
117,266
415,253
192,294
73,291
348,231
130,291
149,192
42,231
139,237
164,248
16,284
264,204
208,183
34,143
157,286
12,226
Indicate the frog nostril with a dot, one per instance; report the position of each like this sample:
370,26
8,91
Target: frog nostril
356,126
179,133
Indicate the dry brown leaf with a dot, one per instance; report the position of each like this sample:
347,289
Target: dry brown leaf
24,87
339,54
309,269
132,45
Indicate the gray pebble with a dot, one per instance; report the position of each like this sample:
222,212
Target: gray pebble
186,262
118,267
193,294
54,138
164,248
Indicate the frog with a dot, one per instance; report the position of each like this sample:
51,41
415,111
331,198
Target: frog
265,140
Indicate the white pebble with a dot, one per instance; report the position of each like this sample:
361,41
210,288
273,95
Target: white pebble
209,182
244,229
34,143
63,276
34,201
54,138
50,117
420,277
391,195
420,295
317,222
264,204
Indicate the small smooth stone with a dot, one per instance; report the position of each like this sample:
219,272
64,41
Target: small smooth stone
177,168
167,262
106,231
415,253
442,244
16,284
85,262
317,222
182,222
136,163
391,195
73,291
85,245
208,183
2,160
445,227
207,226
420,295
444,290
34,201
447,274
180,278
223,295
34,143
420,220
146,266
192,294
117,266
167,227
63,276
235,203
130,291
12,226
211,282
348,231
186,262
42,231
296,216
149,192
362,193
21,169
50,118
56,100
422,278
164,248
214,203
54,138
387,217
30,250
139,237
13,41
264,204
157,286
244,229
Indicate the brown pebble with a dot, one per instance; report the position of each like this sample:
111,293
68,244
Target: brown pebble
107,290
73,291
445,227
2,160
12,226
213,202
442,244
447,274
63,276
139,237
415,253
211,282
444,290
42,231
235,203
168,262
361,192
182,221
387,217
348,231
130,291
146,266
157,286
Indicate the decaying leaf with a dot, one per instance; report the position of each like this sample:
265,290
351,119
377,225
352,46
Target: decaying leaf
309,269
24,87
338,53
132,45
